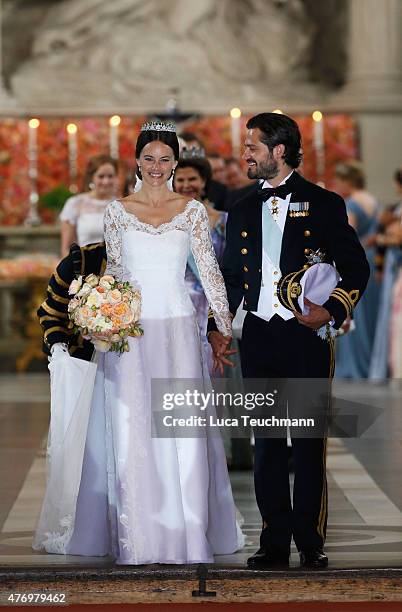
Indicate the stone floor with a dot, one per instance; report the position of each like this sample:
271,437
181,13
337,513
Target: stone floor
364,474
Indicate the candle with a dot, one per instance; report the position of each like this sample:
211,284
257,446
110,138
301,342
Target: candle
33,217
114,123
318,139
235,115
72,155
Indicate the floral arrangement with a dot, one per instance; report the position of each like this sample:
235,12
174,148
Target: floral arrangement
105,311
26,267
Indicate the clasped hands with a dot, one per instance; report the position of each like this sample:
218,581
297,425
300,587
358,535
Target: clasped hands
220,345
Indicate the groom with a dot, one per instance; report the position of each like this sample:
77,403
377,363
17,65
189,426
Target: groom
271,232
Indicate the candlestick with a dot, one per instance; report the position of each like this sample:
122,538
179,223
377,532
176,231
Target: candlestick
114,123
235,115
318,139
72,155
33,217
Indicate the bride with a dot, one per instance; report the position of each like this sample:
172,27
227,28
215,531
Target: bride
146,499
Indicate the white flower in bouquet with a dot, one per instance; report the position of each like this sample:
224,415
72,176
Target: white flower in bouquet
92,280
106,282
114,296
85,290
75,286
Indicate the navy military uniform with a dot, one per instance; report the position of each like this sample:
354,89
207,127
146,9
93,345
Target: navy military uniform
53,316
280,347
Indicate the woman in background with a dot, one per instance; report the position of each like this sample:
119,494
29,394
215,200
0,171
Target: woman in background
389,264
82,215
191,179
354,349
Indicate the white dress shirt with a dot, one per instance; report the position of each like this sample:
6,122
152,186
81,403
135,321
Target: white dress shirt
268,303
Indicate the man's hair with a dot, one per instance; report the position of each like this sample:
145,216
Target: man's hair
279,129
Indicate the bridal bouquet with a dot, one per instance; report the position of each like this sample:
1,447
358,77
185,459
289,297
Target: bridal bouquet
105,311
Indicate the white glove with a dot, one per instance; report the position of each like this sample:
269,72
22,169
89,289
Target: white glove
59,348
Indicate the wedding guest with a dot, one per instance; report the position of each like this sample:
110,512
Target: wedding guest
82,214
217,191
191,179
236,177
354,349
385,359
238,182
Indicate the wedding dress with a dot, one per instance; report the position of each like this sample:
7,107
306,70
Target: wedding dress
145,499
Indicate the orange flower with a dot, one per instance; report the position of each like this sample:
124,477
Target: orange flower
100,289
106,310
120,309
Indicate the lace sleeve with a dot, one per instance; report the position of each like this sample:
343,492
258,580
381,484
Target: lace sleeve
112,230
210,274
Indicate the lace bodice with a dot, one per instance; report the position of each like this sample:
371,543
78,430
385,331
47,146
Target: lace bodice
162,252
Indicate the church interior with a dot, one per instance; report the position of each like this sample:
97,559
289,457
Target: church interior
77,81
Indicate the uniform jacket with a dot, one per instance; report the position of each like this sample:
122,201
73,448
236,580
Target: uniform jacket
325,228
52,313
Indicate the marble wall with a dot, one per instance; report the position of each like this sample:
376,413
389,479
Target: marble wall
138,56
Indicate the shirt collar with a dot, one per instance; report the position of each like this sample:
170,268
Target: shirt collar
267,184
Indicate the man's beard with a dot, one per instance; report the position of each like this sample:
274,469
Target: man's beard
264,170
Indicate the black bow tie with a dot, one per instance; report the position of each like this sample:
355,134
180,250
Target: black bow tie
268,192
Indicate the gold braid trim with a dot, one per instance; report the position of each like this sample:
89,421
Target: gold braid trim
346,295
57,297
52,311
56,328
341,299
59,280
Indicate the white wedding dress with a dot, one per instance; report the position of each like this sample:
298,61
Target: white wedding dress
145,499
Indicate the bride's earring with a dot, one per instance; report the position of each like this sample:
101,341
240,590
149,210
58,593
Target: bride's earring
91,186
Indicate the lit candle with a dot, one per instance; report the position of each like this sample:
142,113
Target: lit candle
318,139
235,115
33,216
114,123
72,155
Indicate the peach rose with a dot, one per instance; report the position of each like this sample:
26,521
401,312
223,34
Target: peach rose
114,296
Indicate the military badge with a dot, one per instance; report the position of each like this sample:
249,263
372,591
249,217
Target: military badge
299,209
315,257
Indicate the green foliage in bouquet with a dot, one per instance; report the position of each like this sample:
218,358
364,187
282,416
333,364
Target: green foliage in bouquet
56,198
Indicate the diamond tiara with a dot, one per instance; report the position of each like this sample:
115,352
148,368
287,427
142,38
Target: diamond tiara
158,126
193,153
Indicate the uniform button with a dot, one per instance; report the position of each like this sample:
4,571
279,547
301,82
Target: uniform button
244,234
259,269
244,251
245,302
306,251
245,268
275,271
276,305
307,233
305,266
275,282
245,286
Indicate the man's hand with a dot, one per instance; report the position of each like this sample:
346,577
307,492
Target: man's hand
221,349
316,318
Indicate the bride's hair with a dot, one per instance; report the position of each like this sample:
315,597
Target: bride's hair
145,137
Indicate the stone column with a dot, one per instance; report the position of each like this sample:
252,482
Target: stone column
6,101
375,49
373,91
